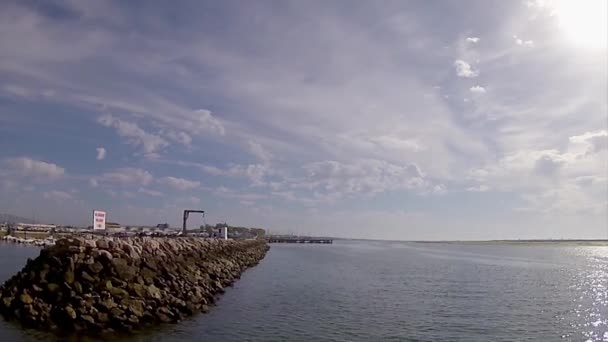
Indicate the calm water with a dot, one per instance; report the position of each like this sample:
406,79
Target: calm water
391,291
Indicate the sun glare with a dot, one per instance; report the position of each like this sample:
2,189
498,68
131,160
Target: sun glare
584,22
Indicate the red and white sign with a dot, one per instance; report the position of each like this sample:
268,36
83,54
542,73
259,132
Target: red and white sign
99,220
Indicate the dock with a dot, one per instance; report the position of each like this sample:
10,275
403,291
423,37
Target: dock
294,239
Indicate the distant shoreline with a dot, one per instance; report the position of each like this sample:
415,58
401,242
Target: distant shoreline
578,242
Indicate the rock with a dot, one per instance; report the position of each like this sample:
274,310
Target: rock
68,276
102,243
87,318
87,277
102,317
76,249
76,242
135,306
153,292
105,255
52,287
133,319
118,314
78,287
7,301
123,270
138,289
96,267
42,275
70,312
124,284
163,318
148,276
118,292
107,304
26,299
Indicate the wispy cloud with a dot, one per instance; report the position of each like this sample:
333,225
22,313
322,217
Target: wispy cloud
150,143
179,183
36,170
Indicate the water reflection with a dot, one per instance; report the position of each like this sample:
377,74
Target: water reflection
590,304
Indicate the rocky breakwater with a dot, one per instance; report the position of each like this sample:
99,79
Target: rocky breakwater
98,286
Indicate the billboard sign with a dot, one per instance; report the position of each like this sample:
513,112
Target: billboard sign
99,220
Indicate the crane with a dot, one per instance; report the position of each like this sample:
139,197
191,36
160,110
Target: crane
186,214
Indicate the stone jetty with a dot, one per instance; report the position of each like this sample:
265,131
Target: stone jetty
103,286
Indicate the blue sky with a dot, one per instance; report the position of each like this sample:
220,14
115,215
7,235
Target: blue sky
392,120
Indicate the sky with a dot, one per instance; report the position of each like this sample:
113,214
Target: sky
403,120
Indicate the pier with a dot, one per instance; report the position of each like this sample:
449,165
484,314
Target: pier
298,239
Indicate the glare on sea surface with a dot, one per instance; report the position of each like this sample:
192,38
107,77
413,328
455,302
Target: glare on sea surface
583,22
591,303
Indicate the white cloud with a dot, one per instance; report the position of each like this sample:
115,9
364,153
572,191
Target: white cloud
260,152
35,169
57,195
212,170
179,137
150,192
208,122
521,42
254,172
126,176
463,69
179,183
93,183
397,143
472,40
591,141
136,136
479,188
550,181
367,176
477,89
101,153
242,196
439,189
